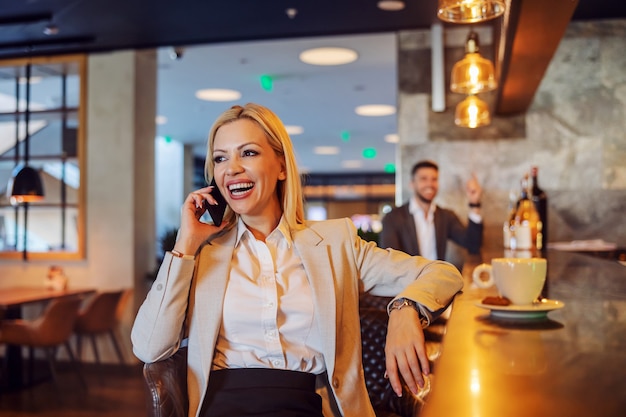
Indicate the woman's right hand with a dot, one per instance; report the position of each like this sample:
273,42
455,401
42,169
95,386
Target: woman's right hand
194,232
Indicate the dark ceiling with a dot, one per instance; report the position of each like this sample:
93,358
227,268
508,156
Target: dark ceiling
101,25
531,31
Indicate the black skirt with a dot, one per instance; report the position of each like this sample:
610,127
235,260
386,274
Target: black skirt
261,393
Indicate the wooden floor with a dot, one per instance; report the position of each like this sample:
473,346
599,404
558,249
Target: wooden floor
112,390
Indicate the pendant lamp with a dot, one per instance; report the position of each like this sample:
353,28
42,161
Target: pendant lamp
473,74
472,112
25,185
469,11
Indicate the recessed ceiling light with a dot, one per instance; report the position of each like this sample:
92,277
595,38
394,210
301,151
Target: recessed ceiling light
375,110
294,130
352,163
326,150
392,138
328,56
218,94
160,120
391,5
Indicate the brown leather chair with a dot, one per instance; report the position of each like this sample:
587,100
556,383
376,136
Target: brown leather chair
99,316
166,380
50,330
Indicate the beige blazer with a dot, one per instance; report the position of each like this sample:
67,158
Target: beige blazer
338,264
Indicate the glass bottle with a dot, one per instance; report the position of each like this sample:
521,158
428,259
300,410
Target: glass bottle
540,200
527,222
508,228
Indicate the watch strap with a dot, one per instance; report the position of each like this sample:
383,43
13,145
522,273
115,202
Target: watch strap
400,303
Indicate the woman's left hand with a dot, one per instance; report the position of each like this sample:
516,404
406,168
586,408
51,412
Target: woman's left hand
405,351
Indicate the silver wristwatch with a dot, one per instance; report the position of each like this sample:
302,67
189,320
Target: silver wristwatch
400,303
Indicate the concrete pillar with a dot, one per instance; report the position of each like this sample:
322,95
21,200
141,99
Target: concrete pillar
121,107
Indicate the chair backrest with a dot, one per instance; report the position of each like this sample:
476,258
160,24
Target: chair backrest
56,323
167,386
99,314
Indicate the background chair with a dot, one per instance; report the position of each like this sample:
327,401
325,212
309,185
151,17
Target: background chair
50,330
100,316
166,380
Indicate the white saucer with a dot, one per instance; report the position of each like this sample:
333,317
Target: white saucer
538,310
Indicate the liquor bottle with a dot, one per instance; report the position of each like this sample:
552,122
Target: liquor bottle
540,199
527,222
508,228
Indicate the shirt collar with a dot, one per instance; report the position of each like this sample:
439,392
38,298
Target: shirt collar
282,229
415,208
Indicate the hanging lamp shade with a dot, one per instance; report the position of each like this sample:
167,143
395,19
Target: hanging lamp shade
25,185
469,11
472,112
473,74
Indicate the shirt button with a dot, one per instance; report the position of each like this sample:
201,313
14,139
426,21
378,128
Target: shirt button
277,362
159,287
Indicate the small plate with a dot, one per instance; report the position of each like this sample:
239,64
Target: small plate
535,311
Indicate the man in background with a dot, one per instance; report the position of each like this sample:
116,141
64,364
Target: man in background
420,227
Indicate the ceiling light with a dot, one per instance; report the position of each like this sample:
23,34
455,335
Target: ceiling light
392,138
25,185
160,120
473,74
375,110
369,153
294,130
390,168
326,150
469,11
328,56
351,164
267,82
217,94
472,112
391,5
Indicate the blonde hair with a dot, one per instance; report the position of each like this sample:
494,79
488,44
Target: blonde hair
289,191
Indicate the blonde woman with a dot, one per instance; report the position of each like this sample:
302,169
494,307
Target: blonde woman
268,302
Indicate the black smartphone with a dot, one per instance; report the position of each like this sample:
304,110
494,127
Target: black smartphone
216,212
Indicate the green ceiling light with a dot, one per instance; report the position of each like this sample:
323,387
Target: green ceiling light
267,82
390,168
369,153
345,136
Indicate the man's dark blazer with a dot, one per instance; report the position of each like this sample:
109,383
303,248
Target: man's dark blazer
399,232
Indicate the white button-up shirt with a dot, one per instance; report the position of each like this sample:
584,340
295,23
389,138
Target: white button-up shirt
269,315
425,226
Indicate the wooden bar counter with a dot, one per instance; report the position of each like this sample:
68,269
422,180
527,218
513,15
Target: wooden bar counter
572,363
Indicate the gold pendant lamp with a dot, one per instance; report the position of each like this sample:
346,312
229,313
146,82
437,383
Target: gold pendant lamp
469,11
473,74
472,112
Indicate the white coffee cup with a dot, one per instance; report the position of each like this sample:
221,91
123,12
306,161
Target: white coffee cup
518,279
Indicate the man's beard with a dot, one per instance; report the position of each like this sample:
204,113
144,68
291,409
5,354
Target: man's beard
423,199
